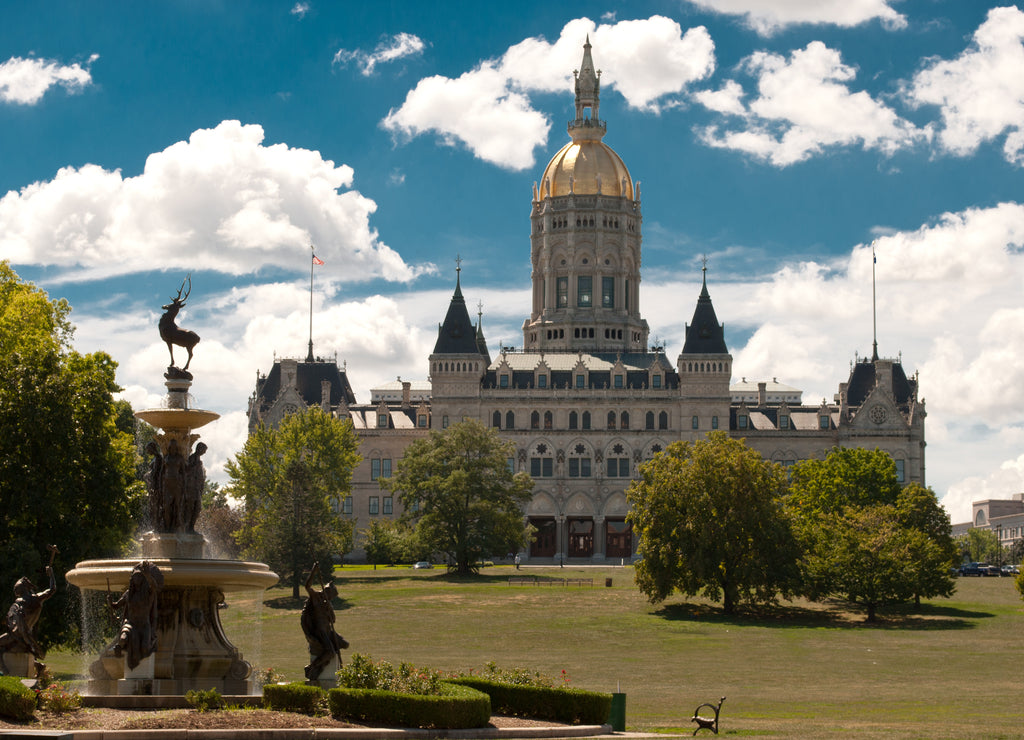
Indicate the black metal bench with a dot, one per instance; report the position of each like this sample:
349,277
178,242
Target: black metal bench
707,723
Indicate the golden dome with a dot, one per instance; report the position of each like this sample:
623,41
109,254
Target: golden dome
580,166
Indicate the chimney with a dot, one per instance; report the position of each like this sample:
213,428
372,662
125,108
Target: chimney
406,394
325,395
762,393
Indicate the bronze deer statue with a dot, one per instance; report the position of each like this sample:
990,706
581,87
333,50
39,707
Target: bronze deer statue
171,332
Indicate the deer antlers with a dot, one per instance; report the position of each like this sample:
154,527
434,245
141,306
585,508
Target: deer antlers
179,300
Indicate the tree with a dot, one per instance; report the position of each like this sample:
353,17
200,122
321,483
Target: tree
933,551
389,542
289,480
709,519
864,538
981,545
458,488
219,522
67,460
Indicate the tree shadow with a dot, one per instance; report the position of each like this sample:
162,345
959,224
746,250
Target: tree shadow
830,613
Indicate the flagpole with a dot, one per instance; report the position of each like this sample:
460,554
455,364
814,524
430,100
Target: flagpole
312,255
874,308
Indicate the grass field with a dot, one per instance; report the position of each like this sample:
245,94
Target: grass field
951,670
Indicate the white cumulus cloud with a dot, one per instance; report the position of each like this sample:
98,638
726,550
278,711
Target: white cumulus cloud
26,81
488,109
768,16
980,94
804,105
221,200
390,49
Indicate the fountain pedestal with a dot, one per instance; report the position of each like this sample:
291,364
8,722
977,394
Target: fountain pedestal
192,651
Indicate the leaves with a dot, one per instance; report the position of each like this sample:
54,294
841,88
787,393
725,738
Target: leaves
458,489
709,520
288,479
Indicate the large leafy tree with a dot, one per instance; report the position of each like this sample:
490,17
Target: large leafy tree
457,487
67,458
289,480
709,518
865,538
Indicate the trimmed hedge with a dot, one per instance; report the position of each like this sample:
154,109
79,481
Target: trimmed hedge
17,701
292,697
459,707
568,706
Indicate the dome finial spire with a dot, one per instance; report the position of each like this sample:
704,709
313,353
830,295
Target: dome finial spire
588,94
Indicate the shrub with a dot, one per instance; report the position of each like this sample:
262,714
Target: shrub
455,707
292,697
17,701
362,673
204,700
569,706
264,676
59,699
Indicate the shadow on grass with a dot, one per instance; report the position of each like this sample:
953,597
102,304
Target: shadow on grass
832,614
439,575
288,603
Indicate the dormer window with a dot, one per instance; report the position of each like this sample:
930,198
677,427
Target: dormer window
656,381
783,421
382,421
618,381
542,381
741,421
581,381
503,380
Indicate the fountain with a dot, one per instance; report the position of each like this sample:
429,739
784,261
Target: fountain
186,590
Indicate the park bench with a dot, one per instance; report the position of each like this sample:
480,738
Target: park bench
707,723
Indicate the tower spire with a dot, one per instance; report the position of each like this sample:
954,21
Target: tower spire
588,124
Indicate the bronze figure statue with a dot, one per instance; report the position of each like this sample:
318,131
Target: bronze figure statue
23,616
172,334
318,625
137,637
195,481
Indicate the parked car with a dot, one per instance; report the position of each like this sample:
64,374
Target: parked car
422,565
1009,570
978,569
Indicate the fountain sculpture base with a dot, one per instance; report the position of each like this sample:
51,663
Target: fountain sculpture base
192,650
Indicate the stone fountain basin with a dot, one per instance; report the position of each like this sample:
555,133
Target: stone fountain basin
171,418
225,575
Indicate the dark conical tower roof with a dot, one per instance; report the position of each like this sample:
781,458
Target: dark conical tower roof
457,335
704,335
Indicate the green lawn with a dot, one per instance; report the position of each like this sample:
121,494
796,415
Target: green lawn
804,670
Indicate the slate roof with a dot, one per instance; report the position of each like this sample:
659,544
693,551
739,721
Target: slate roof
308,376
457,335
704,335
863,378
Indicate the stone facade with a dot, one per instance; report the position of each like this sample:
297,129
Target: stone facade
586,400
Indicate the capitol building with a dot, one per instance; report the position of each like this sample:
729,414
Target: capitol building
587,399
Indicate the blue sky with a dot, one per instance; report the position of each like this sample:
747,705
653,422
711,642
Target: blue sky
139,142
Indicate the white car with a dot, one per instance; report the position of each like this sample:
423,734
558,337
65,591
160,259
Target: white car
422,565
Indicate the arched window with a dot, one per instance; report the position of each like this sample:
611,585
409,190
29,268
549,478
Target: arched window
649,420
496,420
535,420
548,419
663,420
611,419
574,420
510,420
586,420
624,420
